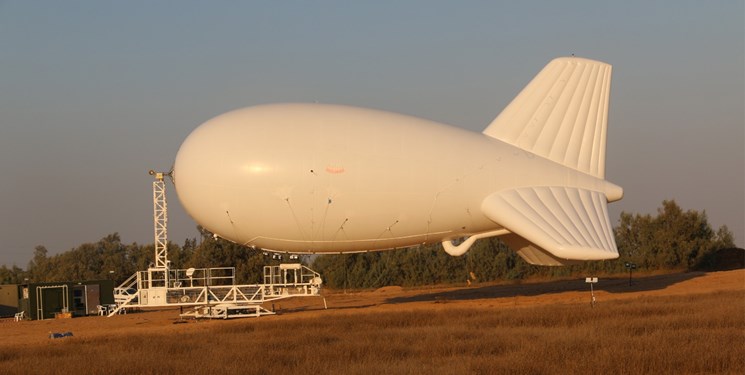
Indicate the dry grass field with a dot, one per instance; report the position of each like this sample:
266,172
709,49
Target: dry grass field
663,324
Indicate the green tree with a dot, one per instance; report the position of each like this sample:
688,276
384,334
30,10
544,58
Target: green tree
673,239
38,267
12,275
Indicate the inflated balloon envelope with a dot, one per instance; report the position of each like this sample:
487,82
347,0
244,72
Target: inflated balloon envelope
318,178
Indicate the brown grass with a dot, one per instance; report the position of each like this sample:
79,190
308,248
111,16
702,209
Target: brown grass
698,332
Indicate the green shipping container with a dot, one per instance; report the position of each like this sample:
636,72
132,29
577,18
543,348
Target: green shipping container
46,300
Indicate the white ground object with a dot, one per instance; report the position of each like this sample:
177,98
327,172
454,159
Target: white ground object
315,178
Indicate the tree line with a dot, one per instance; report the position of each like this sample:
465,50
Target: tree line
109,258
672,239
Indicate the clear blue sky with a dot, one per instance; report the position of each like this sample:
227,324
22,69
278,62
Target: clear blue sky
93,94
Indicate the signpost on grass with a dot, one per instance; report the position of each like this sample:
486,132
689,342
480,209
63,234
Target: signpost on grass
592,280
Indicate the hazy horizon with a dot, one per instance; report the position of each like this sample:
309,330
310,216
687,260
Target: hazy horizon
94,94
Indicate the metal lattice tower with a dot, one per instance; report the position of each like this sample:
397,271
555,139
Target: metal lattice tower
160,220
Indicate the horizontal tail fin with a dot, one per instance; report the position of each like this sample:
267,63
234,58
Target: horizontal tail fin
554,225
562,115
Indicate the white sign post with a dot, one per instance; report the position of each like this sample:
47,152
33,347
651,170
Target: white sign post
592,280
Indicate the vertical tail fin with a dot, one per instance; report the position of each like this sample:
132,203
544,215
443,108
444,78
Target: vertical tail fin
562,115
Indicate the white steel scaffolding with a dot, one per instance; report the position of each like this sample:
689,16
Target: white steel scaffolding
160,220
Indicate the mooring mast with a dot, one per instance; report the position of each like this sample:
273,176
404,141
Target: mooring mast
160,219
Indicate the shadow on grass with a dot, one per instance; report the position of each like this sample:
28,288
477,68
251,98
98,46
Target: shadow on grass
610,285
